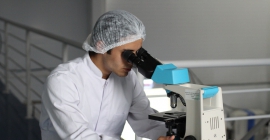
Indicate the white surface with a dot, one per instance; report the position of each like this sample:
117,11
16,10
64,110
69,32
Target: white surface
159,103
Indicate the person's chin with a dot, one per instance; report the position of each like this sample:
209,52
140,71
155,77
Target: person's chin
123,74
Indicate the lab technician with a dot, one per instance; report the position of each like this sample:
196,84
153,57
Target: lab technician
91,97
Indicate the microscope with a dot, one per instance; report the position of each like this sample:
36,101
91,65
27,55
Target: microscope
204,115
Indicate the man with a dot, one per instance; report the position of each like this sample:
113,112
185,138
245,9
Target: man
91,97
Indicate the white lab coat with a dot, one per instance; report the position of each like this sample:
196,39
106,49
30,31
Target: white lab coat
78,104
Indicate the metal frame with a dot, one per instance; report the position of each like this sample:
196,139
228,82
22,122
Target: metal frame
26,80
220,63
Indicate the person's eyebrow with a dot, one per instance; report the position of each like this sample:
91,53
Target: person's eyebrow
128,50
132,50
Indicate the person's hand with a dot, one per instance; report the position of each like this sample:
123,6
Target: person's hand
166,138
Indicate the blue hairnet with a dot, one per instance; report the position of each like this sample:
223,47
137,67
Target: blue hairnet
112,29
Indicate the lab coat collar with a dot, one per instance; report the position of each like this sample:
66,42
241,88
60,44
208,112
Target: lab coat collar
92,66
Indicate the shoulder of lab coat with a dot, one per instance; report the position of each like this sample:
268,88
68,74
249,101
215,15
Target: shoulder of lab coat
60,100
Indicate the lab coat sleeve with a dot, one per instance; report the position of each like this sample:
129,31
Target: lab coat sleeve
60,100
138,116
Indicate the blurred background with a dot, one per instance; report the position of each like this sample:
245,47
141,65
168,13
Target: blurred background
223,43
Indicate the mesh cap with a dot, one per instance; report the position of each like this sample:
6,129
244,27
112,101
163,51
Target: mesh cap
114,28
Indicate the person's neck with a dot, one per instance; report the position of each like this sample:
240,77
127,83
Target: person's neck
97,60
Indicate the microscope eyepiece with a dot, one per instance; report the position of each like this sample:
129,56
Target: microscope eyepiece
131,57
144,61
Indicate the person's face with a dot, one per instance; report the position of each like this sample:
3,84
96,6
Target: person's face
115,63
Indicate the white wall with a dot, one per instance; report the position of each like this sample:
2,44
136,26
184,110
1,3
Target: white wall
180,30
67,18
201,30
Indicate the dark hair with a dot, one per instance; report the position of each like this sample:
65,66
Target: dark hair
91,53
109,51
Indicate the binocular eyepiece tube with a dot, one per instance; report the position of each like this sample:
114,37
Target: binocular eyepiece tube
144,61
